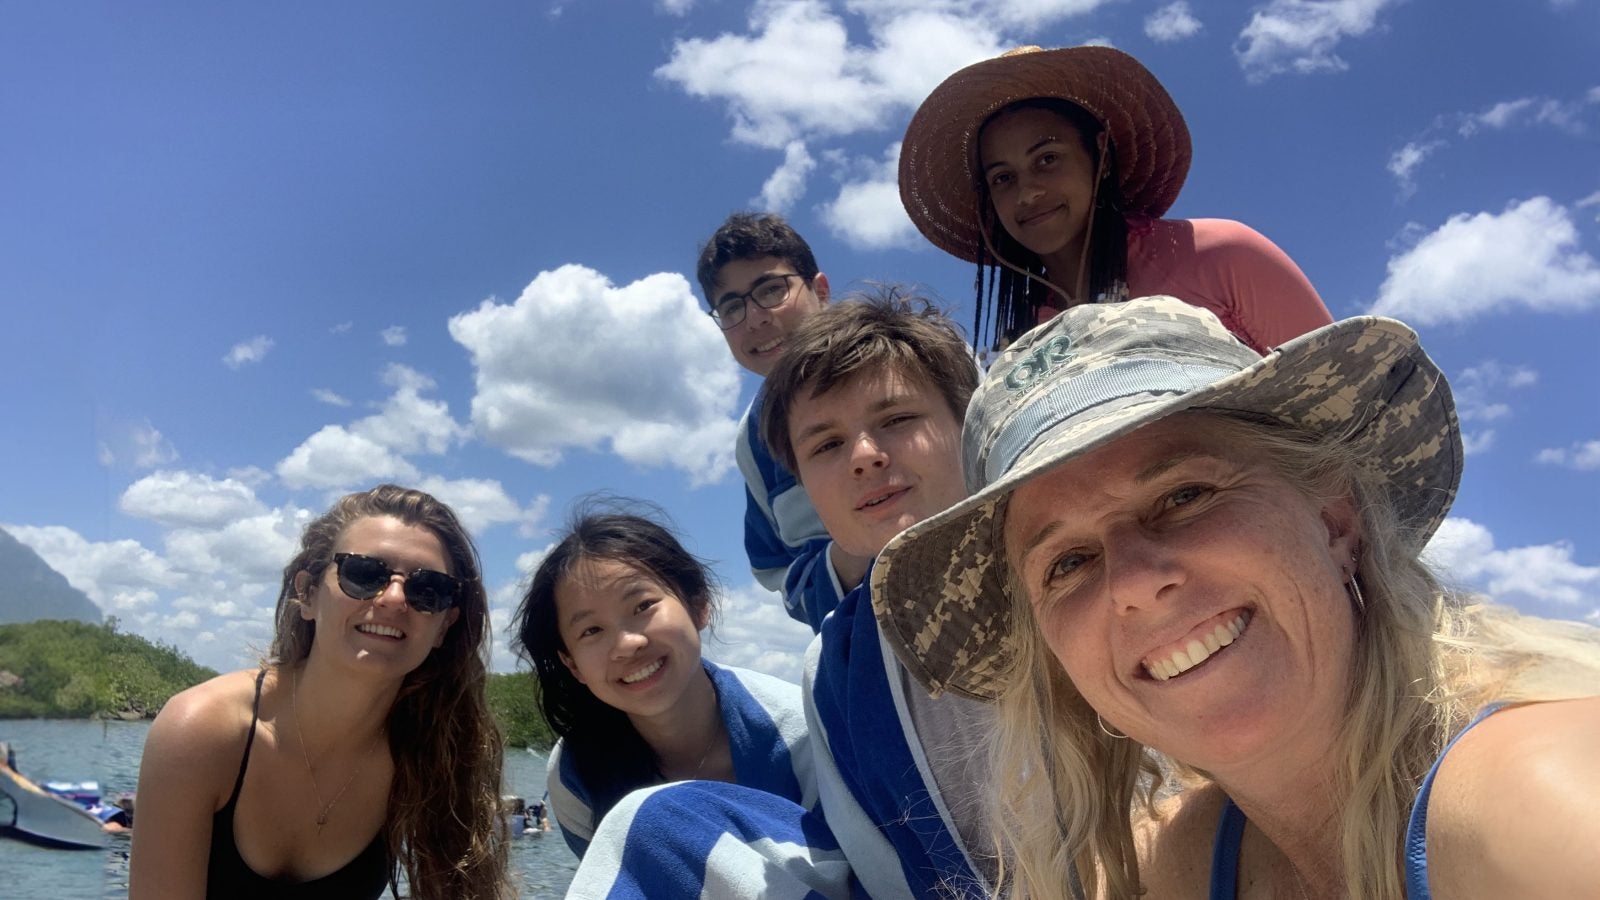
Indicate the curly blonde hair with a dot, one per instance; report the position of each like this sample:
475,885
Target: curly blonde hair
444,825
1426,658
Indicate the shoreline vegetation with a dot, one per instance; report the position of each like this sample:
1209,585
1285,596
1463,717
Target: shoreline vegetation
55,669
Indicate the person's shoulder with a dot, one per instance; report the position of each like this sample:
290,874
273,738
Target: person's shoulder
1512,804
199,735
1224,236
1175,844
214,710
1179,245
1523,747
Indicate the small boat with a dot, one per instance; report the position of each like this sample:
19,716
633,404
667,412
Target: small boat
30,813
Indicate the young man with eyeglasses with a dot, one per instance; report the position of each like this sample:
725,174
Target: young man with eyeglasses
761,281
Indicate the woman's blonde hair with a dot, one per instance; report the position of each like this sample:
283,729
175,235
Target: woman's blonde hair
444,825
1426,658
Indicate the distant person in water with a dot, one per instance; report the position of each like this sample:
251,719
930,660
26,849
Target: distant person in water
611,623
362,748
1052,169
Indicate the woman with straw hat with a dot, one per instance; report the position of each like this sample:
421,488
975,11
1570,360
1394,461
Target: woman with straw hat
1182,559
1051,169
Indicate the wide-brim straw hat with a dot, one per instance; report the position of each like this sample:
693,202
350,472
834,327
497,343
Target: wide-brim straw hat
1098,372
939,156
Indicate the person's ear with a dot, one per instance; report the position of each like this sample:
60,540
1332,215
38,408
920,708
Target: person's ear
1342,520
567,661
302,585
450,617
819,286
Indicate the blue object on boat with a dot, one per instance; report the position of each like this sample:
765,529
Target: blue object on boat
83,793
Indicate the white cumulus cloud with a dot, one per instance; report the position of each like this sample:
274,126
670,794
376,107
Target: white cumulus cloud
1524,111
787,183
409,422
255,547
753,631
1403,164
246,352
577,362
1543,578
189,499
1480,393
1302,35
394,335
867,211
336,458
374,448
1173,22
1584,456
150,449
482,502
1593,200
1525,257
324,395
796,74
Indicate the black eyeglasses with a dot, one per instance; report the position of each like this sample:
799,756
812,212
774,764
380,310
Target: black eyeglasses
363,577
769,293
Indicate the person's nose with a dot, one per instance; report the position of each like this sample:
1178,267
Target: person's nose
393,594
1029,190
1141,567
628,643
755,315
866,453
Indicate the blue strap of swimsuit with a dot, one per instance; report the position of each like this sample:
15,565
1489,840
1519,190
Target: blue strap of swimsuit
1230,834
1416,862
1225,852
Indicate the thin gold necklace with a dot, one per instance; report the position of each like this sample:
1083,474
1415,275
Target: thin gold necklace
704,756
325,808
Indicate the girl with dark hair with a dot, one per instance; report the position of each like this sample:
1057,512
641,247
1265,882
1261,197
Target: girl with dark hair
611,623
360,748
1051,169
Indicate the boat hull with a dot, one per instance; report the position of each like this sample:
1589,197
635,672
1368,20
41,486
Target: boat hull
39,817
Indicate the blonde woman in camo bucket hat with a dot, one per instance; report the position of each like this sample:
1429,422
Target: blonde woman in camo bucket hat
1179,557
1051,169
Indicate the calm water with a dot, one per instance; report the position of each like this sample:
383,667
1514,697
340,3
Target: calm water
108,752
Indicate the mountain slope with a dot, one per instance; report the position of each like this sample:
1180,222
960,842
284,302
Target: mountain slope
32,590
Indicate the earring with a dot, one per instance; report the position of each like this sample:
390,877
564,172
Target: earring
1353,586
1106,731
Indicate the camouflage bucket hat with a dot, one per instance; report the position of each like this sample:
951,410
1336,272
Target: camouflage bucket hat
1096,373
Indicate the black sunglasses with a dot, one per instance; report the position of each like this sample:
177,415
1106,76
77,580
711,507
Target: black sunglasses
363,577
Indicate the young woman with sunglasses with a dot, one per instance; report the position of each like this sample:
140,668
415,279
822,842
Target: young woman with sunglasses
360,750
611,623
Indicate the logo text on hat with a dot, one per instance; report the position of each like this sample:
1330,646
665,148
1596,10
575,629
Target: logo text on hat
1047,356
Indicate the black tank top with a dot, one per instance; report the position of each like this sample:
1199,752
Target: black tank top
229,877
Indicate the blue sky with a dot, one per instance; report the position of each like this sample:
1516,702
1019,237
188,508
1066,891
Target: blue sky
252,257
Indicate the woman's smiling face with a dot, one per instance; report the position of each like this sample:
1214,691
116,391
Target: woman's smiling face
383,633
629,639
1039,176
1194,596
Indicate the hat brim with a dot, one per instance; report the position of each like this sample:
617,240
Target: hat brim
939,587
938,155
